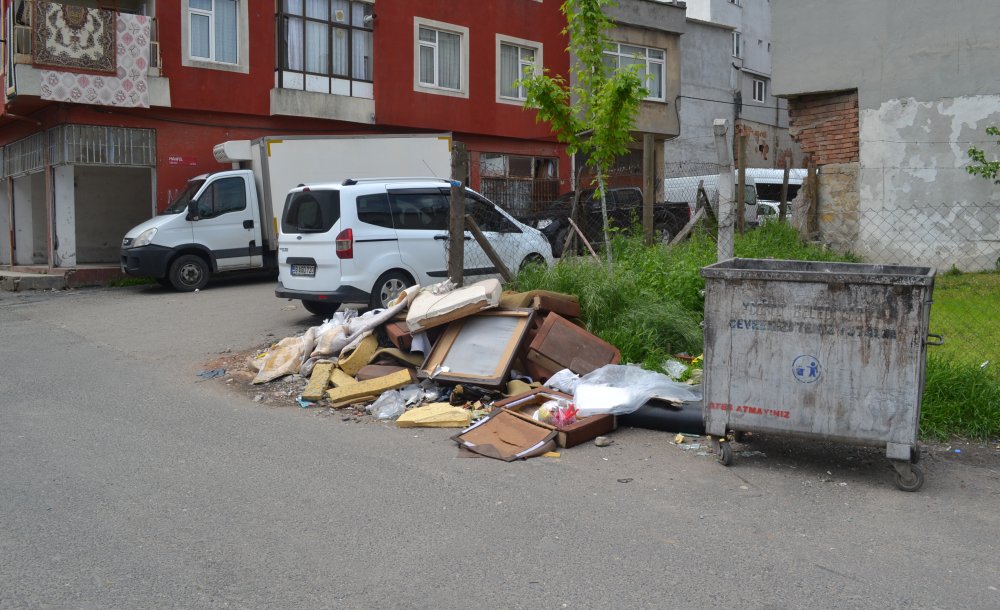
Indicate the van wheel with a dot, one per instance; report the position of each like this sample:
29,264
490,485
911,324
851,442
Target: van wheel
387,287
189,273
324,309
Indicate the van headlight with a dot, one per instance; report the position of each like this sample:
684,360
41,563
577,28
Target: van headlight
144,238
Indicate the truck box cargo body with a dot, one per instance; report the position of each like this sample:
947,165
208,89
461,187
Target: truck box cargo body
227,220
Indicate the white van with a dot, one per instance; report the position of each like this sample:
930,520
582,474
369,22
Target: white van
686,189
768,182
363,241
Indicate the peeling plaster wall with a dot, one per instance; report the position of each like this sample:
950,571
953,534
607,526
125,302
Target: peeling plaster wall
913,185
926,76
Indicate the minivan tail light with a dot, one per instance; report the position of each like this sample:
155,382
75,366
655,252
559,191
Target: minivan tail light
345,244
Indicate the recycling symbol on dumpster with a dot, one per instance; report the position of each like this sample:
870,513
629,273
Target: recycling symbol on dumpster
806,369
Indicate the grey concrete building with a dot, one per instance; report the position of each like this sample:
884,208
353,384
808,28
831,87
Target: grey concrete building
726,73
910,86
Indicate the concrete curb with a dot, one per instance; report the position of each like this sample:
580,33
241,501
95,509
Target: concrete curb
17,282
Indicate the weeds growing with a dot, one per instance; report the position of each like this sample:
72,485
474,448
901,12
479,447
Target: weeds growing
650,307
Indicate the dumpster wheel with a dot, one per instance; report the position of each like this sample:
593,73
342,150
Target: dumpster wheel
909,477
725,453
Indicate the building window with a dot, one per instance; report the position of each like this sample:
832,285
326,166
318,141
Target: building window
759,90
214,34
651,62
214,30
441,58
736,2
737,44
327,46
514,57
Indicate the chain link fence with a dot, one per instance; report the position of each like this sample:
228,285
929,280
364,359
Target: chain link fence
961,242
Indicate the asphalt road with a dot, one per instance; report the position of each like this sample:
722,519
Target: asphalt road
126,481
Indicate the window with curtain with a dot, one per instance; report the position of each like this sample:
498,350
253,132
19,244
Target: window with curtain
440,58
214,30
514,60
651,66
331,38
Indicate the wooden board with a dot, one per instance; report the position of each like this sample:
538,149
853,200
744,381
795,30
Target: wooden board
580,431
560,344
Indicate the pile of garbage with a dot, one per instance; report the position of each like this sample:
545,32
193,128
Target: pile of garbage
516,372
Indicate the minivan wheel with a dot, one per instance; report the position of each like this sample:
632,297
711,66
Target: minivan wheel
324,309
532,259
189,273
387,287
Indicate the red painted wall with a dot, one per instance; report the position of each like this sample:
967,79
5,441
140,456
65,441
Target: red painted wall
218,90
396,102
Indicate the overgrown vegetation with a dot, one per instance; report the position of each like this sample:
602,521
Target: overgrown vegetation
650,307
960,399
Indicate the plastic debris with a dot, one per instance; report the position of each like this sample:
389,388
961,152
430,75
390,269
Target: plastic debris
212,373
305,404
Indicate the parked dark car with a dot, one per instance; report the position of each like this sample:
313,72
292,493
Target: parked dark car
624,212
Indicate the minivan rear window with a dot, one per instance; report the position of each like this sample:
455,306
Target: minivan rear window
311,211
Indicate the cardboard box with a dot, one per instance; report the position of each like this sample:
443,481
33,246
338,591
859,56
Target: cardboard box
581,431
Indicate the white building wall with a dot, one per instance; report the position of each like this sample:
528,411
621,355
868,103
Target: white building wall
64,250
6,257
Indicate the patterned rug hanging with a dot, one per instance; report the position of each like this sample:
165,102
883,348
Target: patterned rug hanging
74,37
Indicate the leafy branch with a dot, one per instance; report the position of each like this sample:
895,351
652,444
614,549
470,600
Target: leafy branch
980,166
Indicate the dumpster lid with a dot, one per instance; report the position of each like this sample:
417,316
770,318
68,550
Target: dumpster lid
818,271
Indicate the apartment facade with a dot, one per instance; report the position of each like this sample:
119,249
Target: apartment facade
110,107
726,74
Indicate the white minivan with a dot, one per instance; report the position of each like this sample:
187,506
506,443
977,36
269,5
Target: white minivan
363,241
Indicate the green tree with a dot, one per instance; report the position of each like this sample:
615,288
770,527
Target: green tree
980,166
593,115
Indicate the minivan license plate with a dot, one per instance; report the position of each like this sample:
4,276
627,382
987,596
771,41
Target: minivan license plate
304,270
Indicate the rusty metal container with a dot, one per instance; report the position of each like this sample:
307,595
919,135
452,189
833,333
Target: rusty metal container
831,351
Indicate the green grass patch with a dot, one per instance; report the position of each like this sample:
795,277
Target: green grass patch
960,399
650,306
966,312
128,280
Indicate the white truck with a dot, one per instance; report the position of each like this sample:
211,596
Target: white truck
227,220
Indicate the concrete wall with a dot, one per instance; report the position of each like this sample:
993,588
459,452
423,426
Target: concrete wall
109,202
6,255
913,179
30,219
921,49
756,29
923,100
707,83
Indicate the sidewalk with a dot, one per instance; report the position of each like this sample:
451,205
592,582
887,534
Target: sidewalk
19,278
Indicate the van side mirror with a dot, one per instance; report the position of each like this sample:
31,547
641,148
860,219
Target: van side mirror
192,213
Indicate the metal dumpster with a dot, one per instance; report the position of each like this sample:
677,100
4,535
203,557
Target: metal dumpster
831,351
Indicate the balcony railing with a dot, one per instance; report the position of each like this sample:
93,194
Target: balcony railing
23,13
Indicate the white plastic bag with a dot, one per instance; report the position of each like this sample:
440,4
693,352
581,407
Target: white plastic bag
564,381
620,390
389,406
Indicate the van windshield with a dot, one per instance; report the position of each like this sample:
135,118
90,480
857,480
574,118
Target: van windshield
180,204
